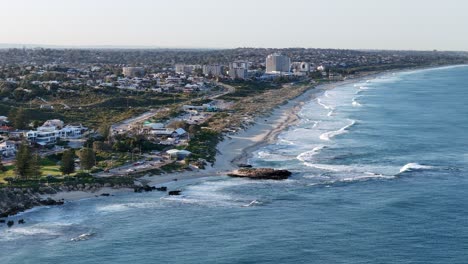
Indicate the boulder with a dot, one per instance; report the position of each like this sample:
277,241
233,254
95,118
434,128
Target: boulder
261,174
176,192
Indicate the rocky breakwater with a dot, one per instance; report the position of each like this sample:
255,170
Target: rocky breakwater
15,200
93,187
261,173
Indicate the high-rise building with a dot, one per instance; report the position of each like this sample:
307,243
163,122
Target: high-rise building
133,71
238,70
214,70
186,69
277,63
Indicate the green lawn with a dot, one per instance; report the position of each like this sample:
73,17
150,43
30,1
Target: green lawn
53,170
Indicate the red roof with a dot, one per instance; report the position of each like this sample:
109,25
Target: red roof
6,128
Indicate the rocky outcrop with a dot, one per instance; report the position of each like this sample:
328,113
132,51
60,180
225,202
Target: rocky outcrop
145,188
92,187
261,174
177,192
15,200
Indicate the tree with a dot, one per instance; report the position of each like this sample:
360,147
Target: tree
177,124
98,146
28,165
12,115
23,158
34,170
18,118
68,162
87,158
104,130
2,167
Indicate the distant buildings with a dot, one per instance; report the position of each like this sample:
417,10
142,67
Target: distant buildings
238,70
186,69
133,71
300,68
277,63
213,70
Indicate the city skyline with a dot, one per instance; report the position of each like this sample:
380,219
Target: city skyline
362,24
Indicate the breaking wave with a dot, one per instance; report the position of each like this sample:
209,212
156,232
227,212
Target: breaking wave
356,103
414,166
329,135
324,105
306,156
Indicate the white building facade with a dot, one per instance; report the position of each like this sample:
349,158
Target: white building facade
277,63
7,148
239,70
213,70
48,134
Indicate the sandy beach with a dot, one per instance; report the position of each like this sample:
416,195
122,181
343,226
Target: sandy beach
237,149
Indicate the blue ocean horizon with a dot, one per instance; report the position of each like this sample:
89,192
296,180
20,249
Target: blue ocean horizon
380,173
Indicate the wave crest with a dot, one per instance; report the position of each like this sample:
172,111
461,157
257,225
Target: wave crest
414,166
329,135
305,156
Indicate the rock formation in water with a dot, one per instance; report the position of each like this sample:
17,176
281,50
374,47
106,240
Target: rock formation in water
261,174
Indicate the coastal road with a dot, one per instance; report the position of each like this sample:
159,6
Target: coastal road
125,125
230,89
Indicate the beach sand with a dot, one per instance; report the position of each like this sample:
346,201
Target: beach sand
237,149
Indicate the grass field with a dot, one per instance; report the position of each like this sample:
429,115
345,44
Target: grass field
53,170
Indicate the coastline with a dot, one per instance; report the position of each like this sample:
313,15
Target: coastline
238,148
233,149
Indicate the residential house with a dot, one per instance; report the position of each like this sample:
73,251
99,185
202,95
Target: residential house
7,148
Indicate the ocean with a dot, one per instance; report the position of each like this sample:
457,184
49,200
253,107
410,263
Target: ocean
380,175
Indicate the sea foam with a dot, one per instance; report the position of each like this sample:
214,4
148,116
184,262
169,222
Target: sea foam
331,134
356,103
306,156
414,166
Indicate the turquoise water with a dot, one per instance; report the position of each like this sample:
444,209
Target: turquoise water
380,176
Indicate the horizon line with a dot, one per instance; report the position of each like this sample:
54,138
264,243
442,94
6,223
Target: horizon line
151,47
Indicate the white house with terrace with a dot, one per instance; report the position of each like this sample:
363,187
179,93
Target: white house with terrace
53,130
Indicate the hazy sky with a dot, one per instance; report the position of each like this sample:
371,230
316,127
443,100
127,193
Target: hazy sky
356,24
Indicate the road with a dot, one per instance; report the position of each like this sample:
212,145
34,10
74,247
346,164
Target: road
230,89
126,124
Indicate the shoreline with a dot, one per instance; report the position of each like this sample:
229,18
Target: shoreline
238,148
284,116
233,149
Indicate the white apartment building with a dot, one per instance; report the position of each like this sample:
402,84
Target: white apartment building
238,70
277,63
214,70
186,69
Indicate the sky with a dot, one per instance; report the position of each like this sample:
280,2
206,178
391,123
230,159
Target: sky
344,24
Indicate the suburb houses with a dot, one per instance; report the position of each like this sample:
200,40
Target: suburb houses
53,130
